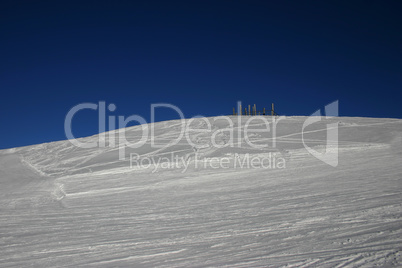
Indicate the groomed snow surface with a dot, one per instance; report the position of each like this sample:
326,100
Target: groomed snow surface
62,205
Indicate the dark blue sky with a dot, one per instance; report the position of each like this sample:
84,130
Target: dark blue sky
202,56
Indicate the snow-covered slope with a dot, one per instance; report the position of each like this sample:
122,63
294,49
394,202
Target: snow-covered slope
61,205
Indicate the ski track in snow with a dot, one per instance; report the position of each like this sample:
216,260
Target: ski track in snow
63,206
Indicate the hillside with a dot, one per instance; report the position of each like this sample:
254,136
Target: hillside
196,201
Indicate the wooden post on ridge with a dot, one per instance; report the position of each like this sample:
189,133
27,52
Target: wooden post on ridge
272,110
249,110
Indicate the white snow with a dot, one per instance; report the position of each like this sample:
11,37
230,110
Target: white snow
65,206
